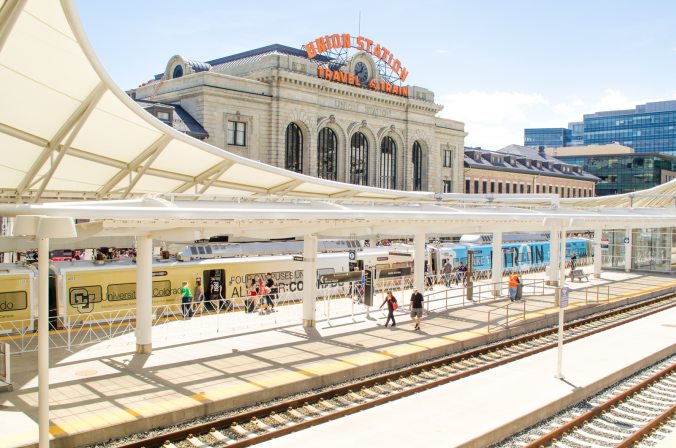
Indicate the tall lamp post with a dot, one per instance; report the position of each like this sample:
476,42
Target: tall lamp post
562,300
43,228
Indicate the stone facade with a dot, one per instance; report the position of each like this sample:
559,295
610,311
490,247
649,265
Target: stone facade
270,88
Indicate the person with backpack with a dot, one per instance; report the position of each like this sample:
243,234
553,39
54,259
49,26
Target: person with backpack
391,306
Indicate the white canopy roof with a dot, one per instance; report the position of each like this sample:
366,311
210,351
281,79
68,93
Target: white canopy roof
69,133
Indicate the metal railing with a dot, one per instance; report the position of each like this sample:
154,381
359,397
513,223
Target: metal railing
504,311
480,292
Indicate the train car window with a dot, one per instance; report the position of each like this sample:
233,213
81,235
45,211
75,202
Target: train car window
380,267
208,249
13,301
201,250
193,250
325,271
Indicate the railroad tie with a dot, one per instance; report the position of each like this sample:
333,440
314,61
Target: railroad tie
313,409
279,419
239,430
218,435
197,443
297,414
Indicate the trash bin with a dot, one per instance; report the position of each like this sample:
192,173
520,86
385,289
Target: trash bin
519,290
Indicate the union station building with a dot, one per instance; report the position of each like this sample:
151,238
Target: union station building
339,109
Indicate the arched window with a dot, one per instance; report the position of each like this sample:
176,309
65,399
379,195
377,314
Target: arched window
418,167
327,154
388,163
359,156
178,72
294,148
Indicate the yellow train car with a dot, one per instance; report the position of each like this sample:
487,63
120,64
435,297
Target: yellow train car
84,292
17,304
91,293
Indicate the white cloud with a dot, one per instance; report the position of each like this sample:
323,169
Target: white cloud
613,100
492,119
497,119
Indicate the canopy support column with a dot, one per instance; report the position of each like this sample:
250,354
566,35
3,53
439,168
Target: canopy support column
144,296
598,253
43,342
627,249
554,244
497,263
309,280
419,261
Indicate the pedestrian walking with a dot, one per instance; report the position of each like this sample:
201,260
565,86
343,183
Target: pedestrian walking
250,303
186,301
271,295
391,306
262,291
416,307
513,283
447,270
215,293
429,281
198,296
460,273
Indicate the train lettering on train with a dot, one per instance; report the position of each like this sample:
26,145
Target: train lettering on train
79,288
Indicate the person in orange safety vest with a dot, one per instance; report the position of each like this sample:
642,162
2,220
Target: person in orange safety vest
513,285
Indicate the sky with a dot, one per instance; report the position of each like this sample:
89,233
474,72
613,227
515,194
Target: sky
497,66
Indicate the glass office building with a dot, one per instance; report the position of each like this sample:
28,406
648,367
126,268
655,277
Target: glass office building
547,137
624,173
649,127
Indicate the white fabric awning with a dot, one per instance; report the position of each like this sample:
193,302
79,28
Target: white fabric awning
69,133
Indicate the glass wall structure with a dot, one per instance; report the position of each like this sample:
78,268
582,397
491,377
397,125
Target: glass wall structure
577,133
652,249
613,248
647,128
547,137
624,173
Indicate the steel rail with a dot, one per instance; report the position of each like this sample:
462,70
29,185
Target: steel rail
555,435
296,403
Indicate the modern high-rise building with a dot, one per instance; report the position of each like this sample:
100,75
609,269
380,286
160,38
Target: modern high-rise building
547,137
619,169
649,127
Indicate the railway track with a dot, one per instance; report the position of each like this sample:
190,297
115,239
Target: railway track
621,416
289,415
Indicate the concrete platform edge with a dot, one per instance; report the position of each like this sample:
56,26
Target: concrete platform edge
576,396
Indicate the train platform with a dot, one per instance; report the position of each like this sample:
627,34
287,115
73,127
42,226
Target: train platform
484,409
105,390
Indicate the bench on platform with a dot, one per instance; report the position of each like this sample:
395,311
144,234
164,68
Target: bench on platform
579,274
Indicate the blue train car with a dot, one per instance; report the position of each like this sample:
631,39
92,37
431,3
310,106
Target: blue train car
514,254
